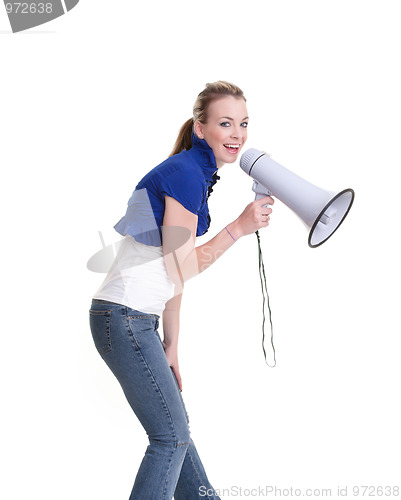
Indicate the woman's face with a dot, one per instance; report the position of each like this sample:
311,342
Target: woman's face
226,128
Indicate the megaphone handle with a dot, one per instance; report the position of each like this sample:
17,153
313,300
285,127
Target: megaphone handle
261,191
259,195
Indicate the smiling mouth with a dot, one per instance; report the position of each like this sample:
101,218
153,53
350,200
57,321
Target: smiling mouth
232,148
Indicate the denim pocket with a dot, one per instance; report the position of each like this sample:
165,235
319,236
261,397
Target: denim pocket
142,327
100,327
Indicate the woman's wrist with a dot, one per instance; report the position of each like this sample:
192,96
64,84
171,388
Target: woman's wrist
171,343
233,230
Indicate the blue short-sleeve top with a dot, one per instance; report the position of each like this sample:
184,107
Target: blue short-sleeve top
188,177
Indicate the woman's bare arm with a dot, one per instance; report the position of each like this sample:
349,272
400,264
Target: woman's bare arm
171,328
184,260
171,321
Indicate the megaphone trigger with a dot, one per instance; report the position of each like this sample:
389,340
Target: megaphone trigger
260,191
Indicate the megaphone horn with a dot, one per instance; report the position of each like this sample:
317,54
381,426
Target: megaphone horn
322,211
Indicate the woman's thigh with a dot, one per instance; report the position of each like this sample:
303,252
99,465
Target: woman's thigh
129,343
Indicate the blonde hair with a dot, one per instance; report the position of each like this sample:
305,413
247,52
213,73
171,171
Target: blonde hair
211,92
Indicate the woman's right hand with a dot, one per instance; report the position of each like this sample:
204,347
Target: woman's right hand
254,217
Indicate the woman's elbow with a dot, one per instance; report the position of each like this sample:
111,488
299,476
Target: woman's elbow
179,253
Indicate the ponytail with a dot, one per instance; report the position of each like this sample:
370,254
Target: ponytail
184,140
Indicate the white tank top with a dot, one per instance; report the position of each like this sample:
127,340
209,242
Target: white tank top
137,278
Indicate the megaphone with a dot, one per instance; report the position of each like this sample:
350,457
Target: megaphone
322,211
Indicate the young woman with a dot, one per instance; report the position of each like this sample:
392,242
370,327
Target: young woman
165,213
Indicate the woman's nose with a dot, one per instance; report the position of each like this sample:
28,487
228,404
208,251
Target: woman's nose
236,133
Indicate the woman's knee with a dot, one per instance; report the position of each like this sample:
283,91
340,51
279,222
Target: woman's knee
178,437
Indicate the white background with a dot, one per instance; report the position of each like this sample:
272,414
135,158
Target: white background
93,100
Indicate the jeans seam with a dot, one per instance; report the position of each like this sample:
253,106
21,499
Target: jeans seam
167,474
130,333
164,402
103,349
142,316
154,382
167,410
194,466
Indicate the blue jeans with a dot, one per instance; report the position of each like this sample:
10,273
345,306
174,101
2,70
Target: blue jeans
129,343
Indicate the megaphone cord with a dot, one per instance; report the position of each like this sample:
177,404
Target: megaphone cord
262,271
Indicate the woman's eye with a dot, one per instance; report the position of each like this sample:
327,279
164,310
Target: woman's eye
244,124
225,124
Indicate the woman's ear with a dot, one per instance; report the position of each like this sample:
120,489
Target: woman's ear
198,129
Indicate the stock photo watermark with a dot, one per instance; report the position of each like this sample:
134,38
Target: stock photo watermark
276,491
26,15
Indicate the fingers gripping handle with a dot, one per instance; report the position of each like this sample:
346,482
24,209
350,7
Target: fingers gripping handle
261,191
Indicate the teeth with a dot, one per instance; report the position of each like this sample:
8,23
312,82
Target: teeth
235,146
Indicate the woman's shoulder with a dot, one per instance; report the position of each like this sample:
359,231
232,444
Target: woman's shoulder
180,165
182,162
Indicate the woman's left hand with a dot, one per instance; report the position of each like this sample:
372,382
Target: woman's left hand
172,359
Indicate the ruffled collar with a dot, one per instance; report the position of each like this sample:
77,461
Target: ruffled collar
207,161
